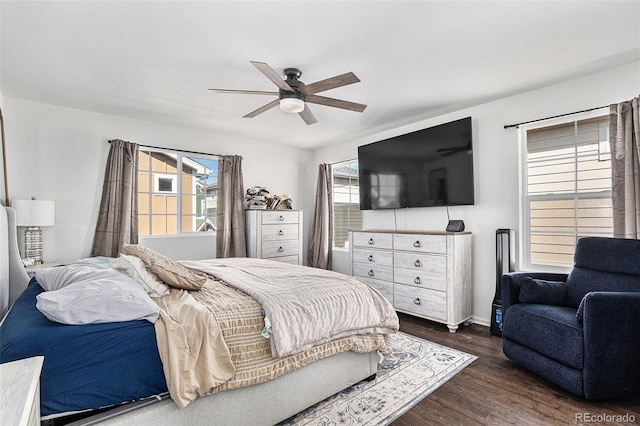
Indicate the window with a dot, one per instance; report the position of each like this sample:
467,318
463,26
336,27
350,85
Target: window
346,202
165,183
176,192
567,188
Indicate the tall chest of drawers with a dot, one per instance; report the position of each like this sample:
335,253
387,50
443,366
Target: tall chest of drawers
275,235
426,274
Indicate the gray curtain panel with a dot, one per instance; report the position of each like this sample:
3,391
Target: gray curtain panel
118,215
321,235
624,138
230,235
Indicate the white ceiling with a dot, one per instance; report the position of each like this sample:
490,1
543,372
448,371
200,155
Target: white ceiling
155,60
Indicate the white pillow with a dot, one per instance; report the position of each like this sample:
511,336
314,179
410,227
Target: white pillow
134,268
108,297
59,277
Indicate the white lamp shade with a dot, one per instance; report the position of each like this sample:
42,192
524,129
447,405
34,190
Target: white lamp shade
34,212
292,105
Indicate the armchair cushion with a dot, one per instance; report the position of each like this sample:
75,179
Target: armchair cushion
542,292
551,331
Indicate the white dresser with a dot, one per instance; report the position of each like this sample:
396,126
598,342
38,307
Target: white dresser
20,392
426,274
275,235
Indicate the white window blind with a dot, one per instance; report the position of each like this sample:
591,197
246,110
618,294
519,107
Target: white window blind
567,187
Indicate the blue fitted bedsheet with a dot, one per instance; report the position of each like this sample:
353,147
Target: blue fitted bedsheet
85,366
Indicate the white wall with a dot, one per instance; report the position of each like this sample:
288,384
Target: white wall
57,153
495,164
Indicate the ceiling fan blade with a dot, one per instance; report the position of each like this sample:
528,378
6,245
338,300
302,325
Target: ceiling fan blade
244,92
308,116
272,75
337,103
263,108
455,148
329,83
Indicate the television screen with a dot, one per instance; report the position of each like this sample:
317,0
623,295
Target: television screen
426,168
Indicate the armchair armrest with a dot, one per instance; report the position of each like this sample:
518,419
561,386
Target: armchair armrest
611,322
511,284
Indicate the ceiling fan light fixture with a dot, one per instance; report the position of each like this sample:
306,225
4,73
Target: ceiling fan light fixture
291,105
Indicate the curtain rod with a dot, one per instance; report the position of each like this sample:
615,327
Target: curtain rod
179,150
506,126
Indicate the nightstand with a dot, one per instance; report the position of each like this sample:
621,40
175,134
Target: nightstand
32,269
20,391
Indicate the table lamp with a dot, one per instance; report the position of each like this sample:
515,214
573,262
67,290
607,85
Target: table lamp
33,214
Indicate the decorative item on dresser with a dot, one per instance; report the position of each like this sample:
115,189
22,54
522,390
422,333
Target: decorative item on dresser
275,235
426,274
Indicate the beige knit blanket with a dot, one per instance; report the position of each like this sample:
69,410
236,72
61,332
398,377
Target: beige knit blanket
306,306
210,341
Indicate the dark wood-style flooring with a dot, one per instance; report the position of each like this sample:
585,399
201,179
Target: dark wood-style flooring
495,391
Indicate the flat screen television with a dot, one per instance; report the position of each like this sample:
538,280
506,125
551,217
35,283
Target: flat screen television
426,168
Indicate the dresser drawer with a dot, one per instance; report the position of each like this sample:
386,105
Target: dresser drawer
287,259
372,240
421,279
423,302
421,243
384,287
378,272
279,216
420,262
377,257
279,248
280,232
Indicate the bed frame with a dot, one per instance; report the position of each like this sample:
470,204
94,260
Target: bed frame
262,404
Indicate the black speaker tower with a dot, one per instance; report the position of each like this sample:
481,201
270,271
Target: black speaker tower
503,244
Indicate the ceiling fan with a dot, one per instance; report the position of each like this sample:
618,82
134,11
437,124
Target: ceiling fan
294,95
454,149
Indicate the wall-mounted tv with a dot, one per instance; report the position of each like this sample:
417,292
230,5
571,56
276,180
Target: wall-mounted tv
426,168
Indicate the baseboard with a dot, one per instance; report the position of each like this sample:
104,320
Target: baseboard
486,322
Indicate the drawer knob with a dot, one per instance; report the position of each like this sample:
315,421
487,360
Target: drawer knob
370,258
417,280
417,244
280,249
417,301
281,218
417,263
370,273
371,241
281,232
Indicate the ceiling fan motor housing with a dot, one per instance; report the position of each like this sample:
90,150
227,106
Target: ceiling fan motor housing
290,95
292,74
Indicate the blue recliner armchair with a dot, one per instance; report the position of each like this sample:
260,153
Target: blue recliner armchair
580,331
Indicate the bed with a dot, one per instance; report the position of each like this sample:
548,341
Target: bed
128,362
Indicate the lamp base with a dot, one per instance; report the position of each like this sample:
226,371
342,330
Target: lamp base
33,244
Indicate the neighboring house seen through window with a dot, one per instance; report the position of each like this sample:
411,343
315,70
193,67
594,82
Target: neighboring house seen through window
566,187
176,192
346,202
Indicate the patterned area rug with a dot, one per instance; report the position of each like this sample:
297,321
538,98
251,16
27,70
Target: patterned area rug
416,368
